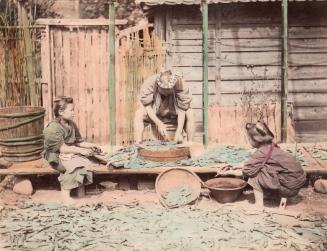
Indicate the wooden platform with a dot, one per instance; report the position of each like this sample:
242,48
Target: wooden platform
41,166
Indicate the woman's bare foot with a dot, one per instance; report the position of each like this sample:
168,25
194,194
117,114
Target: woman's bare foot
67,200
258,196
81,191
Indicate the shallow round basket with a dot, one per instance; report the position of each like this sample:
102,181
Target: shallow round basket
172,178
165,155
225,190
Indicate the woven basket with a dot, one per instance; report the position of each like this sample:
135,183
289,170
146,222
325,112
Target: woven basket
176,177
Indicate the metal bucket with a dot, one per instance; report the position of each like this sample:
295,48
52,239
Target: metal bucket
225,190
21,133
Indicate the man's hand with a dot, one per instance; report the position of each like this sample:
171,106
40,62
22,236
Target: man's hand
178,137
162,129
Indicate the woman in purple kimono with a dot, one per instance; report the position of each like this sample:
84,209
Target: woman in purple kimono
271,168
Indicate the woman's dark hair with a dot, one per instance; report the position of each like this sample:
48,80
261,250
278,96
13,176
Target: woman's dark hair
60,103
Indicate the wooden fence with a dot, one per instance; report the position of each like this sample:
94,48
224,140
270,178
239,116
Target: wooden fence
75,63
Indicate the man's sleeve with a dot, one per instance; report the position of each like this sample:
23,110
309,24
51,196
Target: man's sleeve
183,95
147,90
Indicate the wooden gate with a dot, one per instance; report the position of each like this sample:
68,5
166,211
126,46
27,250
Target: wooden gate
75,63
140,55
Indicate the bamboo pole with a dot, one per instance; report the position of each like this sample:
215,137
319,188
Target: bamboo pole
204,9
111,78
284,68
29,59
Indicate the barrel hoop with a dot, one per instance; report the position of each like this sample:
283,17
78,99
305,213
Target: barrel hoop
22,115
36,142
36,149
29,139
21,154
21,123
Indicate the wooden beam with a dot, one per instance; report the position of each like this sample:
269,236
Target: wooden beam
205,26
284,70
78,22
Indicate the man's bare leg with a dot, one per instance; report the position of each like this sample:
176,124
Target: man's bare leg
139,125
190,130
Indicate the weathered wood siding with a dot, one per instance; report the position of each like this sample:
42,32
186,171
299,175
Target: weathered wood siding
245,57
308,65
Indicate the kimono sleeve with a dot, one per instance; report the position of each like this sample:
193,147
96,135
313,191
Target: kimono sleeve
53,140
147,90
183,95
53,137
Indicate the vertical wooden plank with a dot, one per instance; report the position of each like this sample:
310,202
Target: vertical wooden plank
66,84
88,84
74,66
59,70
95,85
81,81
102,124
218,53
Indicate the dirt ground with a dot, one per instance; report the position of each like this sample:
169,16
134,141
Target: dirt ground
308,201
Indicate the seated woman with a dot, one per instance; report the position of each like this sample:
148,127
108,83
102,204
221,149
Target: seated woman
65,150
271,168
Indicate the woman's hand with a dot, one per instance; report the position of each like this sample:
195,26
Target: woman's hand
95,148
87,152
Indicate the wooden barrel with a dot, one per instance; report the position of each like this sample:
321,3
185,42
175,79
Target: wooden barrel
21,133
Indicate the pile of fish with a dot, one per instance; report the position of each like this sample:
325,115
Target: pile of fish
178,196
46,227
298,155
318,153
128,158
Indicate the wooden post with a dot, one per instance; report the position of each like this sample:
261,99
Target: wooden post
204,9
111,78
284,69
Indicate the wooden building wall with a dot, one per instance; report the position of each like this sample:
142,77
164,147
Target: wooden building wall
245,57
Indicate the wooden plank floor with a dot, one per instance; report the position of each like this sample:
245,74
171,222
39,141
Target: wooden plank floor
41,167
